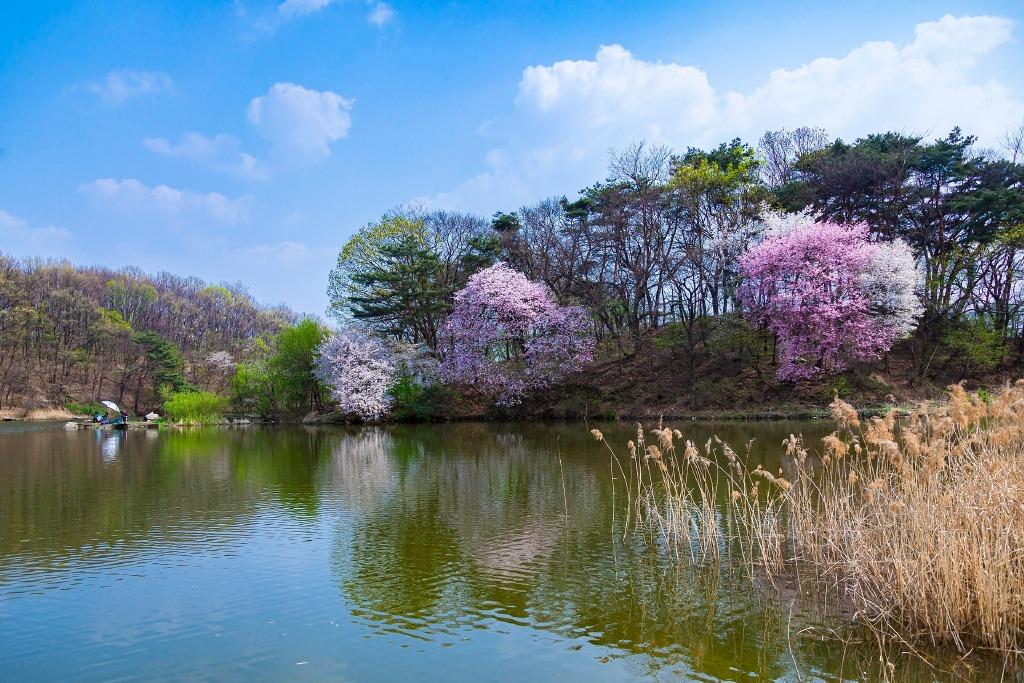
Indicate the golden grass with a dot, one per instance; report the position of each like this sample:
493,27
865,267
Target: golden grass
917,523
36,414
50,414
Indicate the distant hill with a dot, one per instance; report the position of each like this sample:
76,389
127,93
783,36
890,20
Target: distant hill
77,334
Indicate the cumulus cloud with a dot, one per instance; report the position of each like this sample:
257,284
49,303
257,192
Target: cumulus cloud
568,114
162,201
18,235
125,84
222,152
299,122
381,14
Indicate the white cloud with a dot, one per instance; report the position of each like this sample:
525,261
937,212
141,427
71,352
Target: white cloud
299,122
290,9
288,254
125,84
222,152
381,14
162,201
194,146
17,235
569,113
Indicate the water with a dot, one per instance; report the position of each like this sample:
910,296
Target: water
413,553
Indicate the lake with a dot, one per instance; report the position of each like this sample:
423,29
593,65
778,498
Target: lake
461,552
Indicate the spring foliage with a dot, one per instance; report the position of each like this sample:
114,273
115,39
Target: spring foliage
830,295
194,407
507,335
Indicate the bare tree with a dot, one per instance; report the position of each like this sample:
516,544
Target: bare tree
779,150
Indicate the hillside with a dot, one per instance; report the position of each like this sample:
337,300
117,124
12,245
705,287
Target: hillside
72,334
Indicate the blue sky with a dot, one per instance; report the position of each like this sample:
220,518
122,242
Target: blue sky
247,140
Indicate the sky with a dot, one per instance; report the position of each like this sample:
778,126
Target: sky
246,141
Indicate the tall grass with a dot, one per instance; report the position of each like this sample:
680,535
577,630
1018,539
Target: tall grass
194,407
917,524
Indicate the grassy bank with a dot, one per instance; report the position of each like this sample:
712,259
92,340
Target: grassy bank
37,414
914,525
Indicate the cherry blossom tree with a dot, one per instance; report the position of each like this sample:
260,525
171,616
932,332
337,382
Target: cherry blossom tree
830,295
358,370
506,335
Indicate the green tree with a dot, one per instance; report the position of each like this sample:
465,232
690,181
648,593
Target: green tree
399,275
163,364
401,296
291,366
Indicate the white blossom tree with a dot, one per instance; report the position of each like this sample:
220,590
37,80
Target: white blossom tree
892,282
358,370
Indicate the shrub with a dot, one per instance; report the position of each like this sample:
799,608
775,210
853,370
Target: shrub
416,402
194,407
975,345
839,386
85,408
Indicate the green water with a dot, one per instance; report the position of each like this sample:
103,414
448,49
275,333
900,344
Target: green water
433,553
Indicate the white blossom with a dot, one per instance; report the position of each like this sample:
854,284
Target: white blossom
358,370
892,282
776,223
416,361
221,360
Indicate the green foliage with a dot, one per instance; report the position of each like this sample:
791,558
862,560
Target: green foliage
839,386
252,389
85,408
130,298
505,222
721,185
194,407
218,294
975,344
279,377
292,363
415,402
398,276
401,295
670,335
164,360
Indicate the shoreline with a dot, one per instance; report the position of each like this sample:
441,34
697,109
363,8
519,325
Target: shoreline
333,419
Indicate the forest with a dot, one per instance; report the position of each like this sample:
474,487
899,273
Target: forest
792,270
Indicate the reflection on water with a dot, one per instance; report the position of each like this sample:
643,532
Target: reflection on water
454,552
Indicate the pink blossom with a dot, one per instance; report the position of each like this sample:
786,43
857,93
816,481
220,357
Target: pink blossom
815,286
506,335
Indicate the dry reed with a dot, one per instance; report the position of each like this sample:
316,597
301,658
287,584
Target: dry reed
917,524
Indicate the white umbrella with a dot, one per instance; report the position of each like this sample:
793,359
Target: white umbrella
111,405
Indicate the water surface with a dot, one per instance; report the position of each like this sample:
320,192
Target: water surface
476,552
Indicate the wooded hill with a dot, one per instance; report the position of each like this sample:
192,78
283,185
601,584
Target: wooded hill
74,334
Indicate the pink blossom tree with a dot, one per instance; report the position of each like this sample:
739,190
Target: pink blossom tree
506,335
830,295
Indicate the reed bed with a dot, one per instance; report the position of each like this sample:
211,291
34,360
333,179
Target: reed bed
915,524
